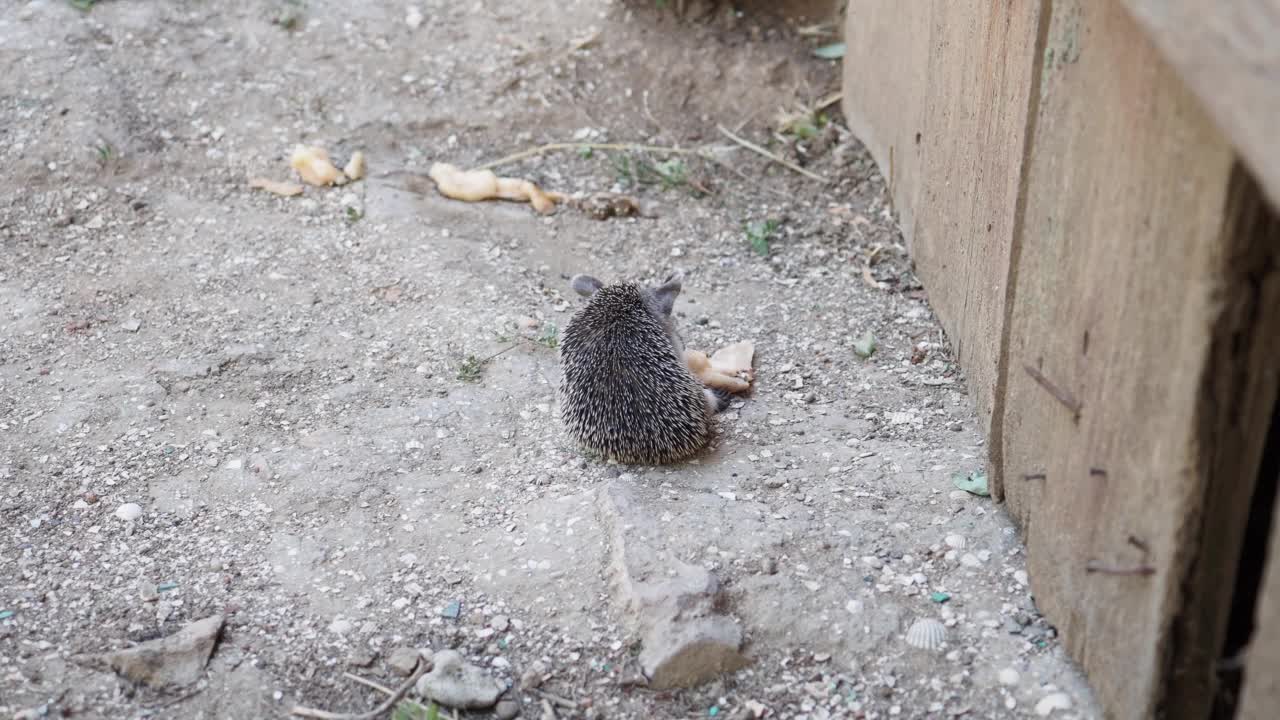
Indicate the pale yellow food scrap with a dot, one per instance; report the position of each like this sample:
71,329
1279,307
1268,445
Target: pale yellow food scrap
735,359
703,368
476,185
287,189
355,169
315,167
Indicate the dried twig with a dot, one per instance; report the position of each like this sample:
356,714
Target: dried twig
772,156
552,147
562,702
1067,399
548,712
369,683
1094,566
419,670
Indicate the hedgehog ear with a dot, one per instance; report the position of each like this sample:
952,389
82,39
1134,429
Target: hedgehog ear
667,292
585,285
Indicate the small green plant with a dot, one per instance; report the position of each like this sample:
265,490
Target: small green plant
82,5
353,215
290,15
550,335
410,710
586,152
760,233
671,173
471,369
106,153
633,172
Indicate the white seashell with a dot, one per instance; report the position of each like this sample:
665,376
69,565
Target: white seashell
1049,703
927,634
955,541
129,512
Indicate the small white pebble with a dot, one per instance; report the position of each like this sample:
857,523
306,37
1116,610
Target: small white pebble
1008,676
1049,703
129,512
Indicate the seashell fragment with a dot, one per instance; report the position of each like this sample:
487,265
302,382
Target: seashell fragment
927,634
956,542
315,167
129,512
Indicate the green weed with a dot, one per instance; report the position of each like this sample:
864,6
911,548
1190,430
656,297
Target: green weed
760,233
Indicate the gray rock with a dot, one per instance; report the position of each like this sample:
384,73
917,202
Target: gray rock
455,683
683,653
507,709
534,675
403,660
176,660
670,604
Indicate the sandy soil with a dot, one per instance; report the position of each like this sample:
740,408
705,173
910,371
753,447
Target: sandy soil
289,387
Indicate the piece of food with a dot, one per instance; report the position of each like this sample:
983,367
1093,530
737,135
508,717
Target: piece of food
477,185
355,169
315,167
735,360
287,189
702,368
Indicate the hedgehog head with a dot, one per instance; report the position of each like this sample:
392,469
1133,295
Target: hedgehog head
660,300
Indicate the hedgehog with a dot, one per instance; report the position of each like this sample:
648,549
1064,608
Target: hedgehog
626,393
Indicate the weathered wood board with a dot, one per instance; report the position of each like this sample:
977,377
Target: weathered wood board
939,93
1228,53
1260,696
1121,274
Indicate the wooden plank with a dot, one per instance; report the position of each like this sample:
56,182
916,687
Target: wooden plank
1261,691
1235,406
1119,276
939,93
1228,53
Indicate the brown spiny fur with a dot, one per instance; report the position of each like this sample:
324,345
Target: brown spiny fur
626,393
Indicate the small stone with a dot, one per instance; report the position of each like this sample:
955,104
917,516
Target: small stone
769,566
132,325
500,623
176,660
873,562
360,658
403,660
340,626
1055,701
413,17
1020,577
821,657
129,512
452,610
1008,676
534,675
970,560
507,709
91,497
457,684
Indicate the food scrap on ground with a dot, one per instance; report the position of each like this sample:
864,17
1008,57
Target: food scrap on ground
315,167
278,187
605,205
728,368
355,168
478,185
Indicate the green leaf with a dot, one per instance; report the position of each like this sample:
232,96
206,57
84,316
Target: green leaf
865,346
975,482
834,51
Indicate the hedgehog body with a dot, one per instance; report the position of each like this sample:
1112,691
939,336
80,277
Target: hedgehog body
626,392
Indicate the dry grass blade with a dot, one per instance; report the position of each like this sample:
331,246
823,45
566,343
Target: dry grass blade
552,147
772,156
420,670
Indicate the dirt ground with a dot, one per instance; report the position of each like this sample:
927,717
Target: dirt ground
337,412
